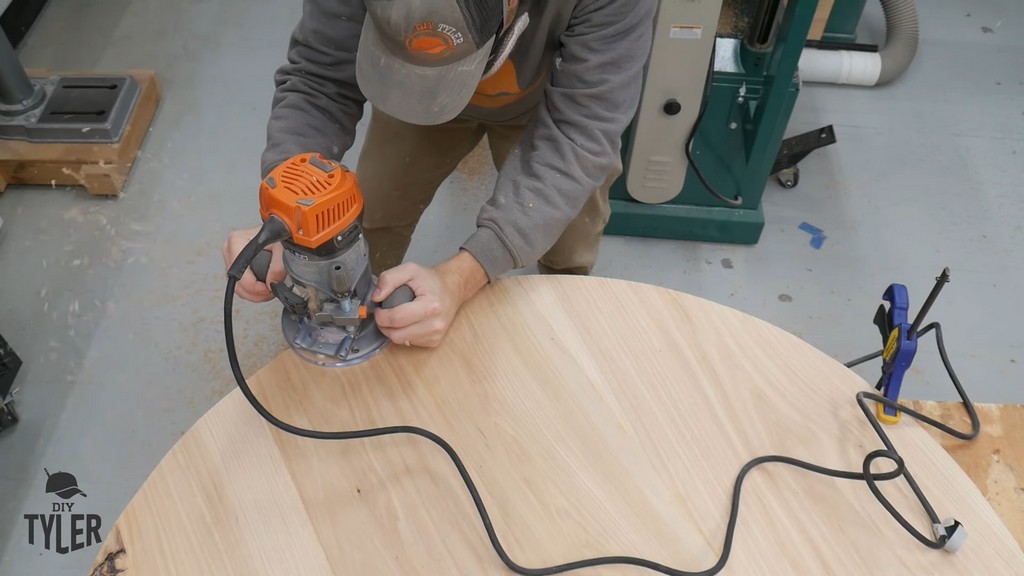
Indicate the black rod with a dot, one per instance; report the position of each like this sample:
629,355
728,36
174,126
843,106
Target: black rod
940,281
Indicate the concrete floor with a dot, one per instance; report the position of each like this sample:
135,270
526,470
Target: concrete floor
115,305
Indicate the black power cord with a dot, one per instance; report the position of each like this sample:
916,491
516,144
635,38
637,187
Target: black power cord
275,230
738,201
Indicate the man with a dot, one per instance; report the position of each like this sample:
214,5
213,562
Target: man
551,83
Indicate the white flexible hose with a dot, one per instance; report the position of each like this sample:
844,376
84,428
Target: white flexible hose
868,68
840,67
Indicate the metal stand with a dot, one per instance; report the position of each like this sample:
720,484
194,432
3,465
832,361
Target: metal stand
62,109
19,17
70,128
17,94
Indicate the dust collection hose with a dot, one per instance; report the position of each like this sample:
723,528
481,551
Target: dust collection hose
868,68
948,534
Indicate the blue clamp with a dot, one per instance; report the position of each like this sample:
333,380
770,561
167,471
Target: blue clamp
900,346
899,341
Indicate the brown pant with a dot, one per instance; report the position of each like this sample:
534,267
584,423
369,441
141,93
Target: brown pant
402,165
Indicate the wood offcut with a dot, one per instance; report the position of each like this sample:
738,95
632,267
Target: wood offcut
102,168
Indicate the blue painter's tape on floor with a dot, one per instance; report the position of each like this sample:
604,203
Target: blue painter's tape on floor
817,235
812,230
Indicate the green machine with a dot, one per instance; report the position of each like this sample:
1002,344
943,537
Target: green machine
841,26
719,88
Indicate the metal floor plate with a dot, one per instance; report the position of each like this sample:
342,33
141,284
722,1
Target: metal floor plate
76,109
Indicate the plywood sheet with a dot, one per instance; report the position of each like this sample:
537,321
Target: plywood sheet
994,460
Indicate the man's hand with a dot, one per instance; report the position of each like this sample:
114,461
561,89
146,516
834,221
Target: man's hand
440,292
249,287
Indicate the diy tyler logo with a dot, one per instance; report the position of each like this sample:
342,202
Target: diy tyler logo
63,531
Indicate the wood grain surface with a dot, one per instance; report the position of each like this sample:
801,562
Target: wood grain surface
597,417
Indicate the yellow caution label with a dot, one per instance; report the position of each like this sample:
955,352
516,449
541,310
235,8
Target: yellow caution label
890,345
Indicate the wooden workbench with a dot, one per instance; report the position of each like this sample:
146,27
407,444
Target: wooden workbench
596,416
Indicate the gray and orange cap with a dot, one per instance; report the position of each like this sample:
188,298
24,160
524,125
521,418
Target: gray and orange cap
421,60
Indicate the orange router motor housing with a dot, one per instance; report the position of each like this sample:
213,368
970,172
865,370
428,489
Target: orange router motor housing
318,198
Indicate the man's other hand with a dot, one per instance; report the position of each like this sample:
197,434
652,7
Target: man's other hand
249,287
440,292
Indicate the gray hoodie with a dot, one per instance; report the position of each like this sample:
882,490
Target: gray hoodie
579,70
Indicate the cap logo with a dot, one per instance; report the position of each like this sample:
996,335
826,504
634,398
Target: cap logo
63,484
432,41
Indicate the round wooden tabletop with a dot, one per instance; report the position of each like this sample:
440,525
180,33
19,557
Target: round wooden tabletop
597,417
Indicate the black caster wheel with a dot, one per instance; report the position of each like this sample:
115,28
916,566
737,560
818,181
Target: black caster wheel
789,177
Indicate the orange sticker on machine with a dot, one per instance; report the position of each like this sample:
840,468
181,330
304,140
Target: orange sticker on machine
689,31
432,41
